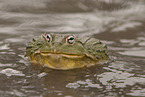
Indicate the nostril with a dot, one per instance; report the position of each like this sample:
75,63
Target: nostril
52,43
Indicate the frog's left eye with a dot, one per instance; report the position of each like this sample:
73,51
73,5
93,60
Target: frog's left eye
48,37
70,39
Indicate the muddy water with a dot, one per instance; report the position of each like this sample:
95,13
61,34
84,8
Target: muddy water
118,23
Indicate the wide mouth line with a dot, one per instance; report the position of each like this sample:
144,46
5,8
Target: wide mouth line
62,54
69,55
59,53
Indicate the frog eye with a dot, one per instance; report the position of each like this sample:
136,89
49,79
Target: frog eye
70,39
47,37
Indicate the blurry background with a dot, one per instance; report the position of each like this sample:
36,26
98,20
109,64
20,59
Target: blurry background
118,23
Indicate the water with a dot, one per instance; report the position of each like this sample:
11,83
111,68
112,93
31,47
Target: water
117,23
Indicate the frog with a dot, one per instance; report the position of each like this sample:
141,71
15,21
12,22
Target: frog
64,52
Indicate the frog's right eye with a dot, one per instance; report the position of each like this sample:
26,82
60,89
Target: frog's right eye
47,37
70,39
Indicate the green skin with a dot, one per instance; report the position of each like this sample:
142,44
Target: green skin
66,51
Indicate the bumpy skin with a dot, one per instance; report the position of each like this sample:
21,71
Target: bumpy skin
66,51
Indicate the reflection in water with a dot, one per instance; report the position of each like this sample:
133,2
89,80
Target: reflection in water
137,47
87,83
140,53
119,79
137,92
11,72
116,77
120,24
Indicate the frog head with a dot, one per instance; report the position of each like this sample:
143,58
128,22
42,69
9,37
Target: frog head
66,51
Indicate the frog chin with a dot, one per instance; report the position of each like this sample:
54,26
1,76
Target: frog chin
62,61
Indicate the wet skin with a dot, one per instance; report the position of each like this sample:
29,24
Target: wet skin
65,52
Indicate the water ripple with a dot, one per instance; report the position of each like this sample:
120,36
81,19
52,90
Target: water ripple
11,72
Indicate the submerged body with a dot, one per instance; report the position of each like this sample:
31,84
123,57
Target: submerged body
66,51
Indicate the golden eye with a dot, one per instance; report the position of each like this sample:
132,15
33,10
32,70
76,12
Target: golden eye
70,39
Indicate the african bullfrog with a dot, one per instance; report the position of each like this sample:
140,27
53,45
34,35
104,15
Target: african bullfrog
65,52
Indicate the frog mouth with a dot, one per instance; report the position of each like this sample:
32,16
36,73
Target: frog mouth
61,61
60,54
63,55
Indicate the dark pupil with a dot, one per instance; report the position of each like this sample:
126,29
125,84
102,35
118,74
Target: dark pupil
71,40
48,38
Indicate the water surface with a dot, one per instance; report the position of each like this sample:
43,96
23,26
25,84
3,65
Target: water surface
120,24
